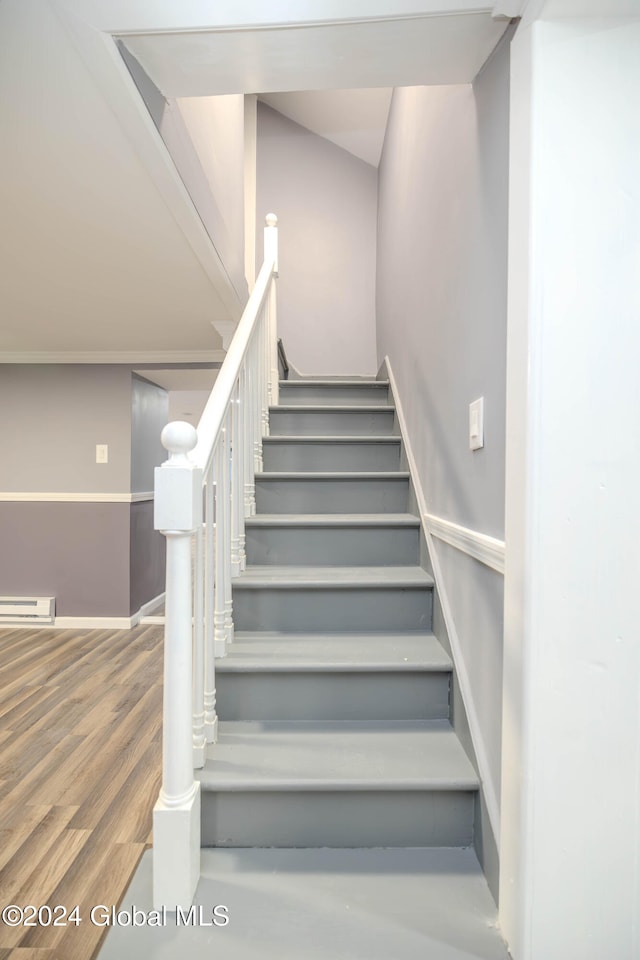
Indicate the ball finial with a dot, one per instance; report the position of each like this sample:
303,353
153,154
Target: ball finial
271,219
179,437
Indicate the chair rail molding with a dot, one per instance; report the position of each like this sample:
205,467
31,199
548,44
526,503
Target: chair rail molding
480,546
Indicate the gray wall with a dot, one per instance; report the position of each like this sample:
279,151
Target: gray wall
325,200
441,315
53,416
149,414
75,552
97,559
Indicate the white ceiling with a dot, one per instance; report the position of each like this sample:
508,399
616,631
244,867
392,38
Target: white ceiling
101,250
355,120
412,50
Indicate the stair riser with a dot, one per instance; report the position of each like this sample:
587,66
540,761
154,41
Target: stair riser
282,455
337,819
333,696
332,610
331,423
374,495
347,546
335,394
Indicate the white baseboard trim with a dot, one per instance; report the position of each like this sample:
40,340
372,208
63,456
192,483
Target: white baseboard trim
92,623
22,497
488,786
481,547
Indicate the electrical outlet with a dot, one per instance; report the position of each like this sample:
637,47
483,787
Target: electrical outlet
102,453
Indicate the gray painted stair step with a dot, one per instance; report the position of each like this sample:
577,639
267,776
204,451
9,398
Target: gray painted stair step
344,578
374,492
332,599
332,420
355,454
350,539
348,677
416,904
337,785
297,652
343,392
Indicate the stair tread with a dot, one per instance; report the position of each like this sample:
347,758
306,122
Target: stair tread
281,652
331,438
334,475
323,382
408,755
333,520
334,407
334,576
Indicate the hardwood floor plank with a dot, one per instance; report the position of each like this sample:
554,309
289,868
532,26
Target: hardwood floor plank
17,827
35,857
80,754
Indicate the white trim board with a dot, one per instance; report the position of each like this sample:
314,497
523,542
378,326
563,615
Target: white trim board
21,497
113,356
91,623
481,547
488,786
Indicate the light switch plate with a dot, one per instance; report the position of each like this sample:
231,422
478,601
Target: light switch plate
476,424
102,453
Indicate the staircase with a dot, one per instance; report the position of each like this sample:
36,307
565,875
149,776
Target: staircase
337,804
333,702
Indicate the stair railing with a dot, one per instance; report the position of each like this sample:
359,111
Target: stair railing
203,493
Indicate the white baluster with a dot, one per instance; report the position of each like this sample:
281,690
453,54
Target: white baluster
199,740
220,636
264,372
226,531
235,467
176,815
238,482
256,368
210,715
249,423
271,251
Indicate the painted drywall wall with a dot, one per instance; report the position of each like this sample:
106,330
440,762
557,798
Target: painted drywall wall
325,200
97,559
205,137
75,552
149,415
53,417
441,318
215,126
571,793
147,556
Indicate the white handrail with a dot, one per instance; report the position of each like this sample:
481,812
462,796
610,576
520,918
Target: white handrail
214,466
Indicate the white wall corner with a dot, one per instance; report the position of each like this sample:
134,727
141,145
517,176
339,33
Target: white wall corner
489,788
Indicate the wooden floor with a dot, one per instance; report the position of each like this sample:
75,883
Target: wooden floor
80,751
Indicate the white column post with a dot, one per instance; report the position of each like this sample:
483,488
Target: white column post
176,815
271,251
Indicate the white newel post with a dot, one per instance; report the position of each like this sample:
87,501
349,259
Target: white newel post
176,815
271,251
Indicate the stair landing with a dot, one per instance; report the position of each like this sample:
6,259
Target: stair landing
375,904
